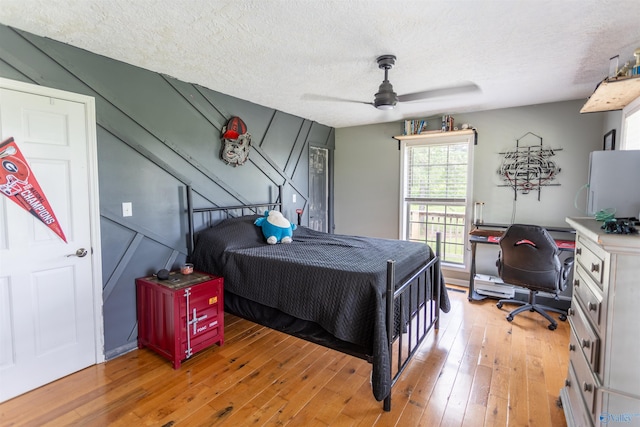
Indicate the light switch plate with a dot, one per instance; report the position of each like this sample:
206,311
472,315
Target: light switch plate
127,209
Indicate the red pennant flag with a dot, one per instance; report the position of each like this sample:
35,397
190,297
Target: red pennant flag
18,184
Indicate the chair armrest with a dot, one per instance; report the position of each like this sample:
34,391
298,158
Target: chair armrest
567,266
568,263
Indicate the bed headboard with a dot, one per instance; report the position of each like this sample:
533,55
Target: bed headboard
225,212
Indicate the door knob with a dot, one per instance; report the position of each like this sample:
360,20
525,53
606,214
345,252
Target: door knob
79,253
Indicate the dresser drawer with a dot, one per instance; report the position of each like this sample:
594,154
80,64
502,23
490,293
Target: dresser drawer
584,340
580,415
591,259
584,380
589,296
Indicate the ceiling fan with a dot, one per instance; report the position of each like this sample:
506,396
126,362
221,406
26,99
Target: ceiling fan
386,98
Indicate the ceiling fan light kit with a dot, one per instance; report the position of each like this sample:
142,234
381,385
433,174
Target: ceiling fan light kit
386,98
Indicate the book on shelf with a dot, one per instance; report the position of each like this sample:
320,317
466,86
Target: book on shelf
447,123
414,126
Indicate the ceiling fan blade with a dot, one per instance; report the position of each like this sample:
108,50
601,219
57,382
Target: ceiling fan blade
326,98
467,88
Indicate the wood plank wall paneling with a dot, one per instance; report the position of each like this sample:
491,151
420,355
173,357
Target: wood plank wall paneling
155,135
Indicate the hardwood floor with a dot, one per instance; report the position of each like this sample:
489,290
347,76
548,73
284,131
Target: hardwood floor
478,369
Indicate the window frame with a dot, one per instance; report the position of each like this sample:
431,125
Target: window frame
467,137
630,112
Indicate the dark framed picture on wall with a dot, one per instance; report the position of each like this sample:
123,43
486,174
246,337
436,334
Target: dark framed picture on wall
610,140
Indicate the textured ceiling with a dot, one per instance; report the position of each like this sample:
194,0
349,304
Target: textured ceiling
311,57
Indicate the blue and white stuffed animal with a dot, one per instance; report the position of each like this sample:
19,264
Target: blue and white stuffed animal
275,227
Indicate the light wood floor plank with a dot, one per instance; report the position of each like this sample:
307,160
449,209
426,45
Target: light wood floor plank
478,369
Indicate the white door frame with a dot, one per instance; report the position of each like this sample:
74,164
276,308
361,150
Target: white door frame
94,200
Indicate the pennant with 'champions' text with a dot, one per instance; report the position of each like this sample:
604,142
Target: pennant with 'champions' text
18,183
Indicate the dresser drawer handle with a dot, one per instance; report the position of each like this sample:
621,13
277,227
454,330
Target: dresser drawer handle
593,306
595,268
578,251
567,382
587,387
572,347
571,312
586,343
576,283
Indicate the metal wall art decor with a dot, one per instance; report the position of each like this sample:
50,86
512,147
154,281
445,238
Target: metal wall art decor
236,142
528,168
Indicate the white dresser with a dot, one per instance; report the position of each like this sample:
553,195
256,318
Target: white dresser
603,383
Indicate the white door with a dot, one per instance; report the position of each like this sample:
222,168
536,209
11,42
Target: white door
50,303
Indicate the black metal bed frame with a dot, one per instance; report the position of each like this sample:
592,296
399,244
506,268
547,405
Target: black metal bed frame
421,316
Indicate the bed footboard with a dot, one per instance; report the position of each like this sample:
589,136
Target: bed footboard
412,312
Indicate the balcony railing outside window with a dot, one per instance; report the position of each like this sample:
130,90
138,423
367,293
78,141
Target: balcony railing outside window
425,220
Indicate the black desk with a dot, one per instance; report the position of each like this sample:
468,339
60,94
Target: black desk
490,235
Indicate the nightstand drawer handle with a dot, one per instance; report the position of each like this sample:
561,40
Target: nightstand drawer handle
593,306
567,382
572,347
571,312
587,387
586,343
578,251
595,268
576,283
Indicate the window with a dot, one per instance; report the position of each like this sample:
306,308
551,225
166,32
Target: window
436,190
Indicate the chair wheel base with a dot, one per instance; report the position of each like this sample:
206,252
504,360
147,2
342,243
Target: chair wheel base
533,307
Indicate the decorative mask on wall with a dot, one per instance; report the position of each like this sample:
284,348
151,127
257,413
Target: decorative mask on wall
236,142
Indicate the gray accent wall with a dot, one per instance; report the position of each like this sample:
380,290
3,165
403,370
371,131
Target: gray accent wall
156,135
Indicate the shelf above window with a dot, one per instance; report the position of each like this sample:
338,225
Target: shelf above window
434,134
613,94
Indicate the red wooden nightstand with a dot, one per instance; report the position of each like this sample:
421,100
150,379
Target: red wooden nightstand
180,316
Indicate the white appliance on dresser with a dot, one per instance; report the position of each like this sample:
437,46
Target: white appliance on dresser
603,383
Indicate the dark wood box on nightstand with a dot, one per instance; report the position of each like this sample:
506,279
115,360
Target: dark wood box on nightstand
180,316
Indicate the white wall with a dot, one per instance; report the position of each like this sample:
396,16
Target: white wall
367,160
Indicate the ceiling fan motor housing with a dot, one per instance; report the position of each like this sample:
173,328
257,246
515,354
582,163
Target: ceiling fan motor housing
386,98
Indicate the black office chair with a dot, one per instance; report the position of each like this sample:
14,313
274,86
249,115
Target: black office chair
529,258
